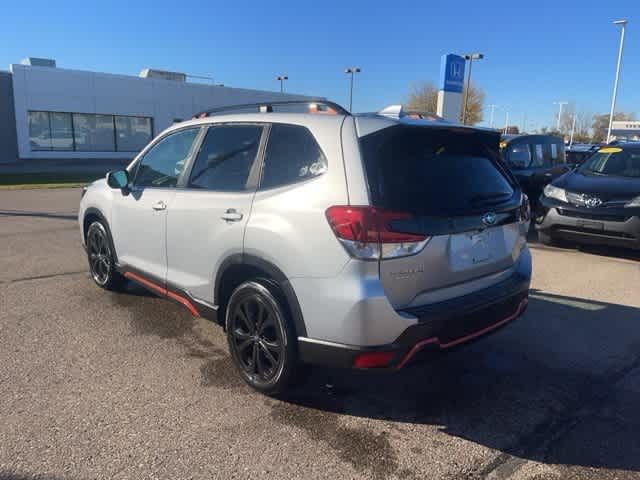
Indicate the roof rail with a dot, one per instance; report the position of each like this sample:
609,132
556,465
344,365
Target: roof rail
315,105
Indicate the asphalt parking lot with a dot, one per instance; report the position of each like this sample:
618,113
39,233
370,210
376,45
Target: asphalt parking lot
102,385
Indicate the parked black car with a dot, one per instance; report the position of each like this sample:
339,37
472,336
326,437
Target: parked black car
577,154
598,203
535,160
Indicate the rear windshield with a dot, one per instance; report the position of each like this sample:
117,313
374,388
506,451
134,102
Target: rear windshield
434,171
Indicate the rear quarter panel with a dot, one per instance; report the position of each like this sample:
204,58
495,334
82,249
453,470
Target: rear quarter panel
288,227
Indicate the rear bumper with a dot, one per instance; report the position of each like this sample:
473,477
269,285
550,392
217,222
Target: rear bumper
583,225
440,326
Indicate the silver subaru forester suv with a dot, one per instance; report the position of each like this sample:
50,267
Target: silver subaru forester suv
318,237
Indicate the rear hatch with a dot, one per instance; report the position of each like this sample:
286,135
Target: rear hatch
446,185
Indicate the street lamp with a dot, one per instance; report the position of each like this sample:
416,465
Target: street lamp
282,78
623,23
573,129
493,111
506,123
351,71
562,104
470,58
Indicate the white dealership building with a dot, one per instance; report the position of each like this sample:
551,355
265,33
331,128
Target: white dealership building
73,114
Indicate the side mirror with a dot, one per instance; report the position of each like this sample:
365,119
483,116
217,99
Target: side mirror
119,179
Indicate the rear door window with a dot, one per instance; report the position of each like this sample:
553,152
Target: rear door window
292,155
434,171
538,155
557,153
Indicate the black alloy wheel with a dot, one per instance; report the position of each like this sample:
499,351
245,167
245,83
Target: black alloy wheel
101,259
260,336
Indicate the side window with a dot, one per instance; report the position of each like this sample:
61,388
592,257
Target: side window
538,155
292,155
557,153
519,156
225,158
161,166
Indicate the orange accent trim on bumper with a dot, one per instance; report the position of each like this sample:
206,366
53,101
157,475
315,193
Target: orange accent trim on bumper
420,345
163,292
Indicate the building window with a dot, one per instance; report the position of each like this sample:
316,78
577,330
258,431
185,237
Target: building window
94,133
39,131
86,132
132,133
61,131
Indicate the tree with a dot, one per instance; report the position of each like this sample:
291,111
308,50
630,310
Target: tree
600,124
424,98
475,105
583,122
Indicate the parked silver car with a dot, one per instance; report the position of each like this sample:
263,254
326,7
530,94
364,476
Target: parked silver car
319,237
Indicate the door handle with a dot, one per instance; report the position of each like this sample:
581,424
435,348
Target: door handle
159,205
231,215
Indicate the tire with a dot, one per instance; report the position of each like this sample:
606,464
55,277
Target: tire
100,255
546,239
261,337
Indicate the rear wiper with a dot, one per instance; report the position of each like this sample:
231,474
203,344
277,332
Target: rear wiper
488,196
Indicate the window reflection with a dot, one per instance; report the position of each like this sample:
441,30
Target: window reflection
133,133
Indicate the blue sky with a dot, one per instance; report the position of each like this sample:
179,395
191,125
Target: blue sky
536,52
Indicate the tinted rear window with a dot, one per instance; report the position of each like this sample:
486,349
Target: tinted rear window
434,171
292,155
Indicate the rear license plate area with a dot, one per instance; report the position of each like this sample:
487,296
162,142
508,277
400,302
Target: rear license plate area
469,249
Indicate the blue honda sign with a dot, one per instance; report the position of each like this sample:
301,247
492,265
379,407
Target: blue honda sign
452,73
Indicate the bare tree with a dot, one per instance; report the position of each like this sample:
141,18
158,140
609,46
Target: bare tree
583,121
475,105
601,124
424,98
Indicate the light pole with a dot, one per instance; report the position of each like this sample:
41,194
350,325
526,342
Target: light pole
623,23
506,123
573,129
561,104
352,71
470,58
493,111
282,78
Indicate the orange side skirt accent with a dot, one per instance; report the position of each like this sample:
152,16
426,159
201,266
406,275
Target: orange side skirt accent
163,292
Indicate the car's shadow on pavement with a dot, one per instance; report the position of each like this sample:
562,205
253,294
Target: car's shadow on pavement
560,385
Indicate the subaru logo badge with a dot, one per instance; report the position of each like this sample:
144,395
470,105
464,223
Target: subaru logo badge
489,218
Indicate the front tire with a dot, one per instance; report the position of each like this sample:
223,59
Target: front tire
261,337
546,239
101,259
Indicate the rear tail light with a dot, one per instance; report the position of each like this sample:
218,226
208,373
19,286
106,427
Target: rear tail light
367,234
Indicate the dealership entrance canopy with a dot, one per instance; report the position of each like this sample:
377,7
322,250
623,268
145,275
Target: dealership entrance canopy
53,113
